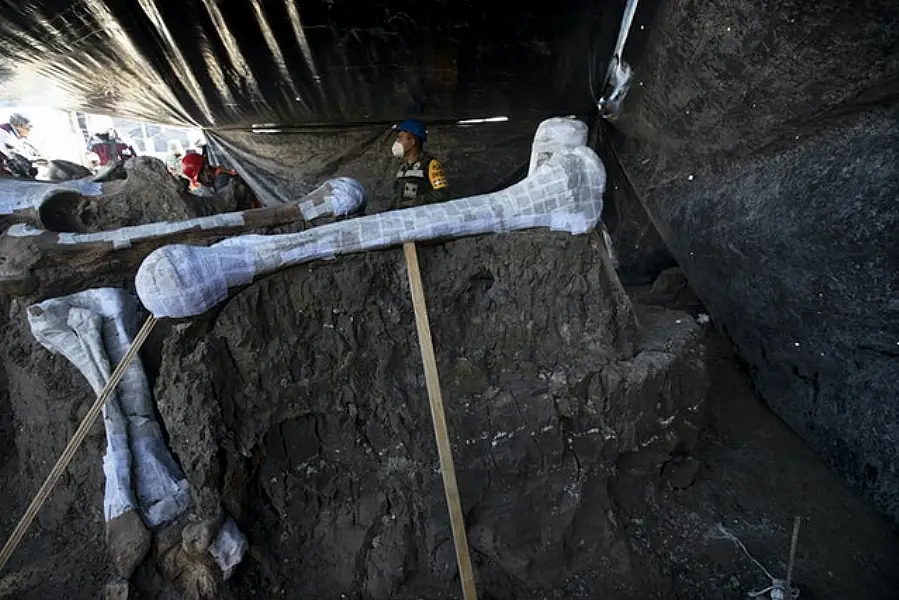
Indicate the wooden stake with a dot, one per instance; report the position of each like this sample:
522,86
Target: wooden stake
447,469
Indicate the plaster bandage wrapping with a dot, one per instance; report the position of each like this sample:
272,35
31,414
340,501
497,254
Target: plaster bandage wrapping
93,330
563,194
554,136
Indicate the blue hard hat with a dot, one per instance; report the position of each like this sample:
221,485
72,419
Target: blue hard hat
415,127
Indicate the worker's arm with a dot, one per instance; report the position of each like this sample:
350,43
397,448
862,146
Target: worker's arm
441,195
439,191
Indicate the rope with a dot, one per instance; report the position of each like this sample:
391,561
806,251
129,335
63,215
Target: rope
66,457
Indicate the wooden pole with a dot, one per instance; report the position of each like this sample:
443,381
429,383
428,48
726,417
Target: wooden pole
444,451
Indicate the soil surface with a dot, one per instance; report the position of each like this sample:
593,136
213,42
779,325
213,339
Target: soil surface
748,474
774,188
754,475
607,443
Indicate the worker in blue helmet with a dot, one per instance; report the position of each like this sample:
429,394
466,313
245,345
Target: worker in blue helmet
420,178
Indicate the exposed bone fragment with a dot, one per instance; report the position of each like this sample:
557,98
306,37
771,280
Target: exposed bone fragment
228,547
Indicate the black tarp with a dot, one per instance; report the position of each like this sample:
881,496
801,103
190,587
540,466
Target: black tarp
330,76
221,65
286,165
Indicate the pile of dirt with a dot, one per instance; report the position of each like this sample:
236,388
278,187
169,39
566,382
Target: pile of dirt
299,409
146,193
7,431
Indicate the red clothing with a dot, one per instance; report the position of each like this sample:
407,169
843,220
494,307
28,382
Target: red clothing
112,151
223,177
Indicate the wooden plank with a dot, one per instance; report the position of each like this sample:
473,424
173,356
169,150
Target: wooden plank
444,450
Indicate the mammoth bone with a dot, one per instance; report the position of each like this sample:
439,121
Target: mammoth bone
21,200
93,330
145,487
564,193
50,263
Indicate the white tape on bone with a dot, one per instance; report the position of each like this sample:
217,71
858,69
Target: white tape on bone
23,230
556,135
93,330
564,193
125,236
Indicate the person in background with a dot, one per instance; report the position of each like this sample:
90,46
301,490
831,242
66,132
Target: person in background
208,180
13,132
200,146
92,161
173,160
420,178
108,147
16,154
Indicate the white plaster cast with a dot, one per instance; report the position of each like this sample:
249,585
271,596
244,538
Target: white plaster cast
564,194
93,330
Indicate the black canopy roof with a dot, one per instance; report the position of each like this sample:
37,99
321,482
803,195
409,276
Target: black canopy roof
223,64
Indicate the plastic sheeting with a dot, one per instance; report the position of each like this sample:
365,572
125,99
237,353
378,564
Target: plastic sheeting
564,194
244,70
283,164
221,64
93,330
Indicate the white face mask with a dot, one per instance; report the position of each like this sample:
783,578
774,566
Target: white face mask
397,149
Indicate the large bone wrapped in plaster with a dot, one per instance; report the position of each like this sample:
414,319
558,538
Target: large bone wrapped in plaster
93,330
556,135
25,251
564,194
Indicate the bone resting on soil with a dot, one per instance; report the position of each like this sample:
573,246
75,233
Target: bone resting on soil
25,249
145,488
93,330
18,195
563,194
